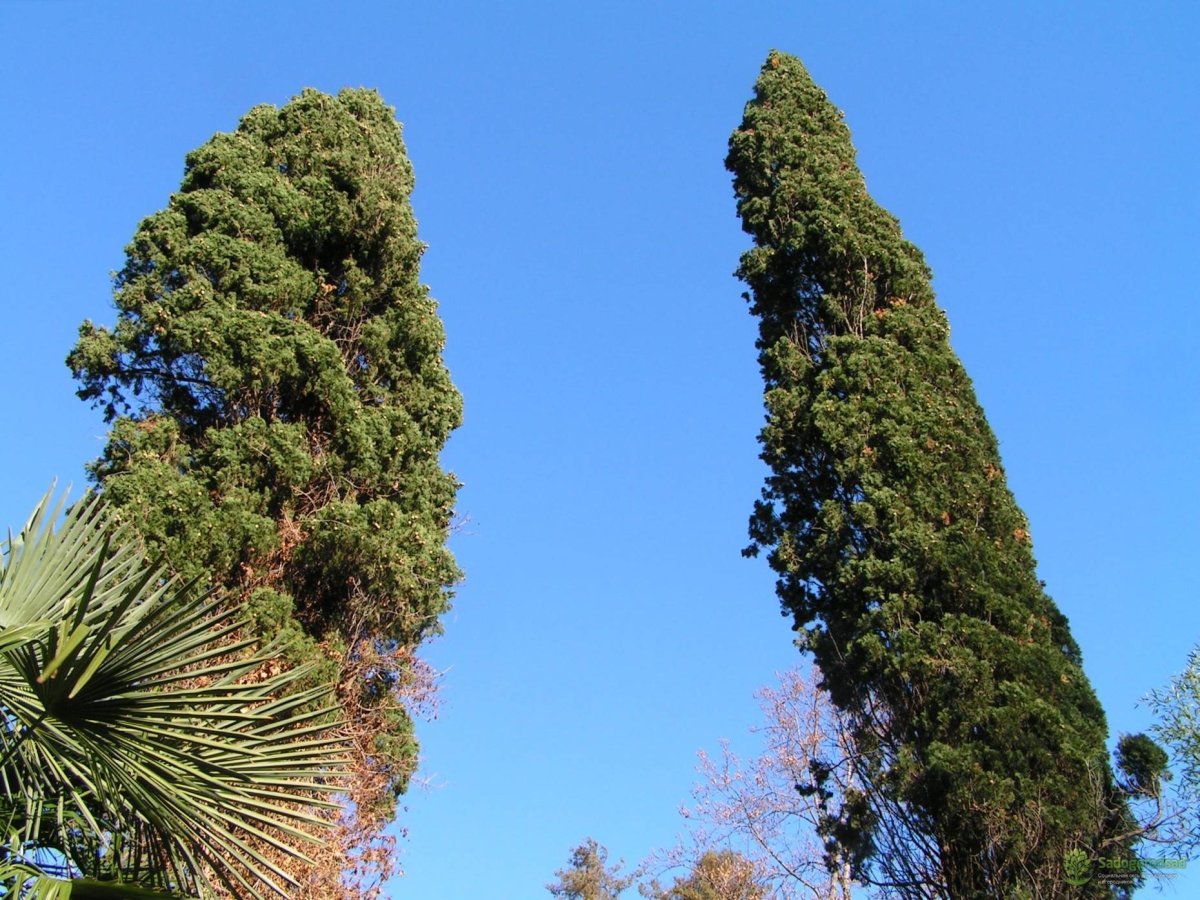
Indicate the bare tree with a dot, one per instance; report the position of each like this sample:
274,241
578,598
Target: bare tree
794,810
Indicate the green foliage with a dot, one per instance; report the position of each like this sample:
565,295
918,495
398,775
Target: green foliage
277,396
1177,708
902,556
1143,763
144,751
588,876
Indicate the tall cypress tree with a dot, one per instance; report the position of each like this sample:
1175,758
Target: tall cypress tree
901,554
278,401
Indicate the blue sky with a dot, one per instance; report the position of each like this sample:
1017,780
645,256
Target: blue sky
582,236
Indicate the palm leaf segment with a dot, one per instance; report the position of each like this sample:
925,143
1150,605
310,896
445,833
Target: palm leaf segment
140,742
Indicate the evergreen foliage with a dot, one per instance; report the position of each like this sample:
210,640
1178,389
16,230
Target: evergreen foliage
1143,763
588,876
901,554
278,401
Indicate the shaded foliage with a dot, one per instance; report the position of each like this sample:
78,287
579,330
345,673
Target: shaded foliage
903,559
1143,763
278,401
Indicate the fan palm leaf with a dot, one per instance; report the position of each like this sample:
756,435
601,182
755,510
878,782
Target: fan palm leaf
142,739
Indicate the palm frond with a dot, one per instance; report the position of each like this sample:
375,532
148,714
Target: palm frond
135,744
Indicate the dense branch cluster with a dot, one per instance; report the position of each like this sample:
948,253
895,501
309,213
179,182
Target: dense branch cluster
902,557
278,401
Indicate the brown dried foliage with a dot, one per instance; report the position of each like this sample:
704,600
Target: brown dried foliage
357,856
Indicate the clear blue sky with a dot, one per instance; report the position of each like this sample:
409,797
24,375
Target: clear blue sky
581,237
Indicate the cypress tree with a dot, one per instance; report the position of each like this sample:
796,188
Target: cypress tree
901,554
278,401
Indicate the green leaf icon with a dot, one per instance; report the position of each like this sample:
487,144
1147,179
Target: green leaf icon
1077,867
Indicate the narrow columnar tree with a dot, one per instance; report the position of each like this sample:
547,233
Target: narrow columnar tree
278,401
901,554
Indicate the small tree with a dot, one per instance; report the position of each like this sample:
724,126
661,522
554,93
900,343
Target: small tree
716,875
278,401
903,558
1177,708
589,877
